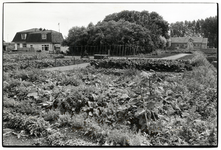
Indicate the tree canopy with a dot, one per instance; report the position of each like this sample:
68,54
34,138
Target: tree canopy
134,28
124,28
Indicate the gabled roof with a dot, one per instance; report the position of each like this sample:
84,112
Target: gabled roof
186,39
35,35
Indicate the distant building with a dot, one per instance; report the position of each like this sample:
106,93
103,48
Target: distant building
38,39
188,42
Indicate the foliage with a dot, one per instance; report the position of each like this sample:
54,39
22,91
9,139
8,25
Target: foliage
206,28
143,29
115,107
33,125
144,64
40,64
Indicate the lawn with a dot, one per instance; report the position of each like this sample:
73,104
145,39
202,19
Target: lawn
110,106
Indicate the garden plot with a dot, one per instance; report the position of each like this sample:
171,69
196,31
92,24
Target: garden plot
113,107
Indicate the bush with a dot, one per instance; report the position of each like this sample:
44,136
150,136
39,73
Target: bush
145,64
52,115
34,125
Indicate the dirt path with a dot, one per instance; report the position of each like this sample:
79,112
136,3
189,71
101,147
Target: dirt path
175,56
65,68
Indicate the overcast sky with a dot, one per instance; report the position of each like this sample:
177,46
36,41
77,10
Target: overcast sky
23,16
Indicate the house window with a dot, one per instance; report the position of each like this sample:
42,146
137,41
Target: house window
45,47
23,36
44,36
24,45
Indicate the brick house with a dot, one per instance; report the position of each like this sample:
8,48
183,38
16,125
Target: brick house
38,39
189,42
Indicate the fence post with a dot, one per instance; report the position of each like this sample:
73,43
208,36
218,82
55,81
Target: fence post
55,62
73,55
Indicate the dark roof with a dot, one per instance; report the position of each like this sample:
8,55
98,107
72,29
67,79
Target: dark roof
35,35
186,39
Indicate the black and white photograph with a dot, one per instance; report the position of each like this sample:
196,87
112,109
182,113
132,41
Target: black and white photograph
109,74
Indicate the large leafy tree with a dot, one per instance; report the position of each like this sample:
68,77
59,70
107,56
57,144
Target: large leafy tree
151,21
209,29
125,28
76,36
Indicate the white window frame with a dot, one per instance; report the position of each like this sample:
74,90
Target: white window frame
24,45
44,47
23,36
44,36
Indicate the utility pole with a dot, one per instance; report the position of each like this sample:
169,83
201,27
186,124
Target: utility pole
59,27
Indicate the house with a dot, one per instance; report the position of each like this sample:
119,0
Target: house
188,42
38,40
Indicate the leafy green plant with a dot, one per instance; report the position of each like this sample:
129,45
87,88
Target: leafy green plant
52,115
144,64
34,125
65,120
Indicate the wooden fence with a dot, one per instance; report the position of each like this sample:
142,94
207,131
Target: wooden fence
111,50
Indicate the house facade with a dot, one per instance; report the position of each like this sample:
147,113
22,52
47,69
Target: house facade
188,42
38,40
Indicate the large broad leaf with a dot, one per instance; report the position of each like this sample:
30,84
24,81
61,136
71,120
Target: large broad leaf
96,112
94,97
34,95
146,74
122,108
124,96
140,111
92,104
159,90
46,103
150,105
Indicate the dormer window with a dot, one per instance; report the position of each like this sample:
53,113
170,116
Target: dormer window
44,36
23,36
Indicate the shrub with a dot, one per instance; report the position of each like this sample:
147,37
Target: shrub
34,125
52,115
65,120
145,64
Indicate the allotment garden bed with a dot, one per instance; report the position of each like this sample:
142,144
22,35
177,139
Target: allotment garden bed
113,106
19,62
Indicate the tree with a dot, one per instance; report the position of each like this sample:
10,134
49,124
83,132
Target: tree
209,29
201,28
125,28
77,36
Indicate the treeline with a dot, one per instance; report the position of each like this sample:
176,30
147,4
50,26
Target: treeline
128,28
149,31
206,28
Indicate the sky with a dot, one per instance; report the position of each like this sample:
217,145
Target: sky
63,16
